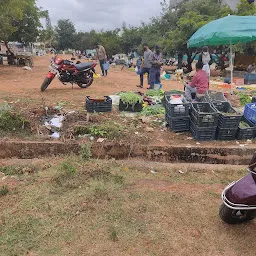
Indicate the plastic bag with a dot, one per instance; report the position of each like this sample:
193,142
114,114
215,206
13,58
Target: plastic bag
106,66
137,70
207,69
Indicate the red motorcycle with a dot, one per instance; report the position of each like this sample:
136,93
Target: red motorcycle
68,72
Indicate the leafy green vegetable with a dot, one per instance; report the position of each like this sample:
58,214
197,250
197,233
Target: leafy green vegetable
131,98
244,125
244,99
153,111
153,93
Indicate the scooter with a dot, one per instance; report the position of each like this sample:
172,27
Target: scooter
239,198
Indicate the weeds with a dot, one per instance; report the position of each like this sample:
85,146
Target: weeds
17,170
66,175
12,122
4,190
113,234
108,130
5,107
85,152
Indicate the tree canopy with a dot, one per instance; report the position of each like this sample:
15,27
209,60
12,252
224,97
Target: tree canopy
65,34
19,20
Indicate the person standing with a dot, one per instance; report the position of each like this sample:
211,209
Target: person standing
146,64
206,59
102,57
156,60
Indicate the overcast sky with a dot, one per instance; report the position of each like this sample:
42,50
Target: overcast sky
101,14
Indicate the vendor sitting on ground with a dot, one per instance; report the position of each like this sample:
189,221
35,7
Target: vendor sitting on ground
199,84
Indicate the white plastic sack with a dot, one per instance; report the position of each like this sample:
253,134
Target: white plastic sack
207,69
115,99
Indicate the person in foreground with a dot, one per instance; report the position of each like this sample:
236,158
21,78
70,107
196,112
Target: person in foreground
199,84
156,60
102,57
146,64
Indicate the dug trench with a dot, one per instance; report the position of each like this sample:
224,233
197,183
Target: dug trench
166,154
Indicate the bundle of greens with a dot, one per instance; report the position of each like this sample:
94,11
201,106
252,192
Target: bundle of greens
131,98
153,111
153,93
244,99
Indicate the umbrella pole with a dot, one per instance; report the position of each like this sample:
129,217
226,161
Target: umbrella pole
232,68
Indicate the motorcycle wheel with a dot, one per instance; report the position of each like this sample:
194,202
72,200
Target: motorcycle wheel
232,217
45,84
86,85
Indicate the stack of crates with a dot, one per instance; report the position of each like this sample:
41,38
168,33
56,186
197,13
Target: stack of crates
177,115
229,120
203,121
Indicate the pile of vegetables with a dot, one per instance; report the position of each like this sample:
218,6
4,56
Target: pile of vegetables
244,99
153,111
152,93
131,98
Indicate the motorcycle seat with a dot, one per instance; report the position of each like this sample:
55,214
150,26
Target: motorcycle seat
83,66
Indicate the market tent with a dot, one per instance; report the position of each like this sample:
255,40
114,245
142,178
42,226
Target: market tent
220,32
226,31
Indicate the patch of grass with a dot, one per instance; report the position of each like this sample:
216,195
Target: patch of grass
108,130
12,123
65,175
81,130
21,236
5,107
142,213
4,190
85,152
113,234
18,170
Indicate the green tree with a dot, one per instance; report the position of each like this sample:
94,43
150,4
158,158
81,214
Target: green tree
28,27
19,21
65,34
47,34
12,10
190,17
111,41
245,8
131,38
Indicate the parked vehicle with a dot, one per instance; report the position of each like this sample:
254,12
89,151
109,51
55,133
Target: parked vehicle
239,198
68,72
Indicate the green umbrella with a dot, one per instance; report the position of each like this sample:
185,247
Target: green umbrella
226,31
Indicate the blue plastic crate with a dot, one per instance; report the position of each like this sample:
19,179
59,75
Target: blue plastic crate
250,112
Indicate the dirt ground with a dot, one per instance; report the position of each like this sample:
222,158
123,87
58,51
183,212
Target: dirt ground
19,84
72,207
21,89
77,207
